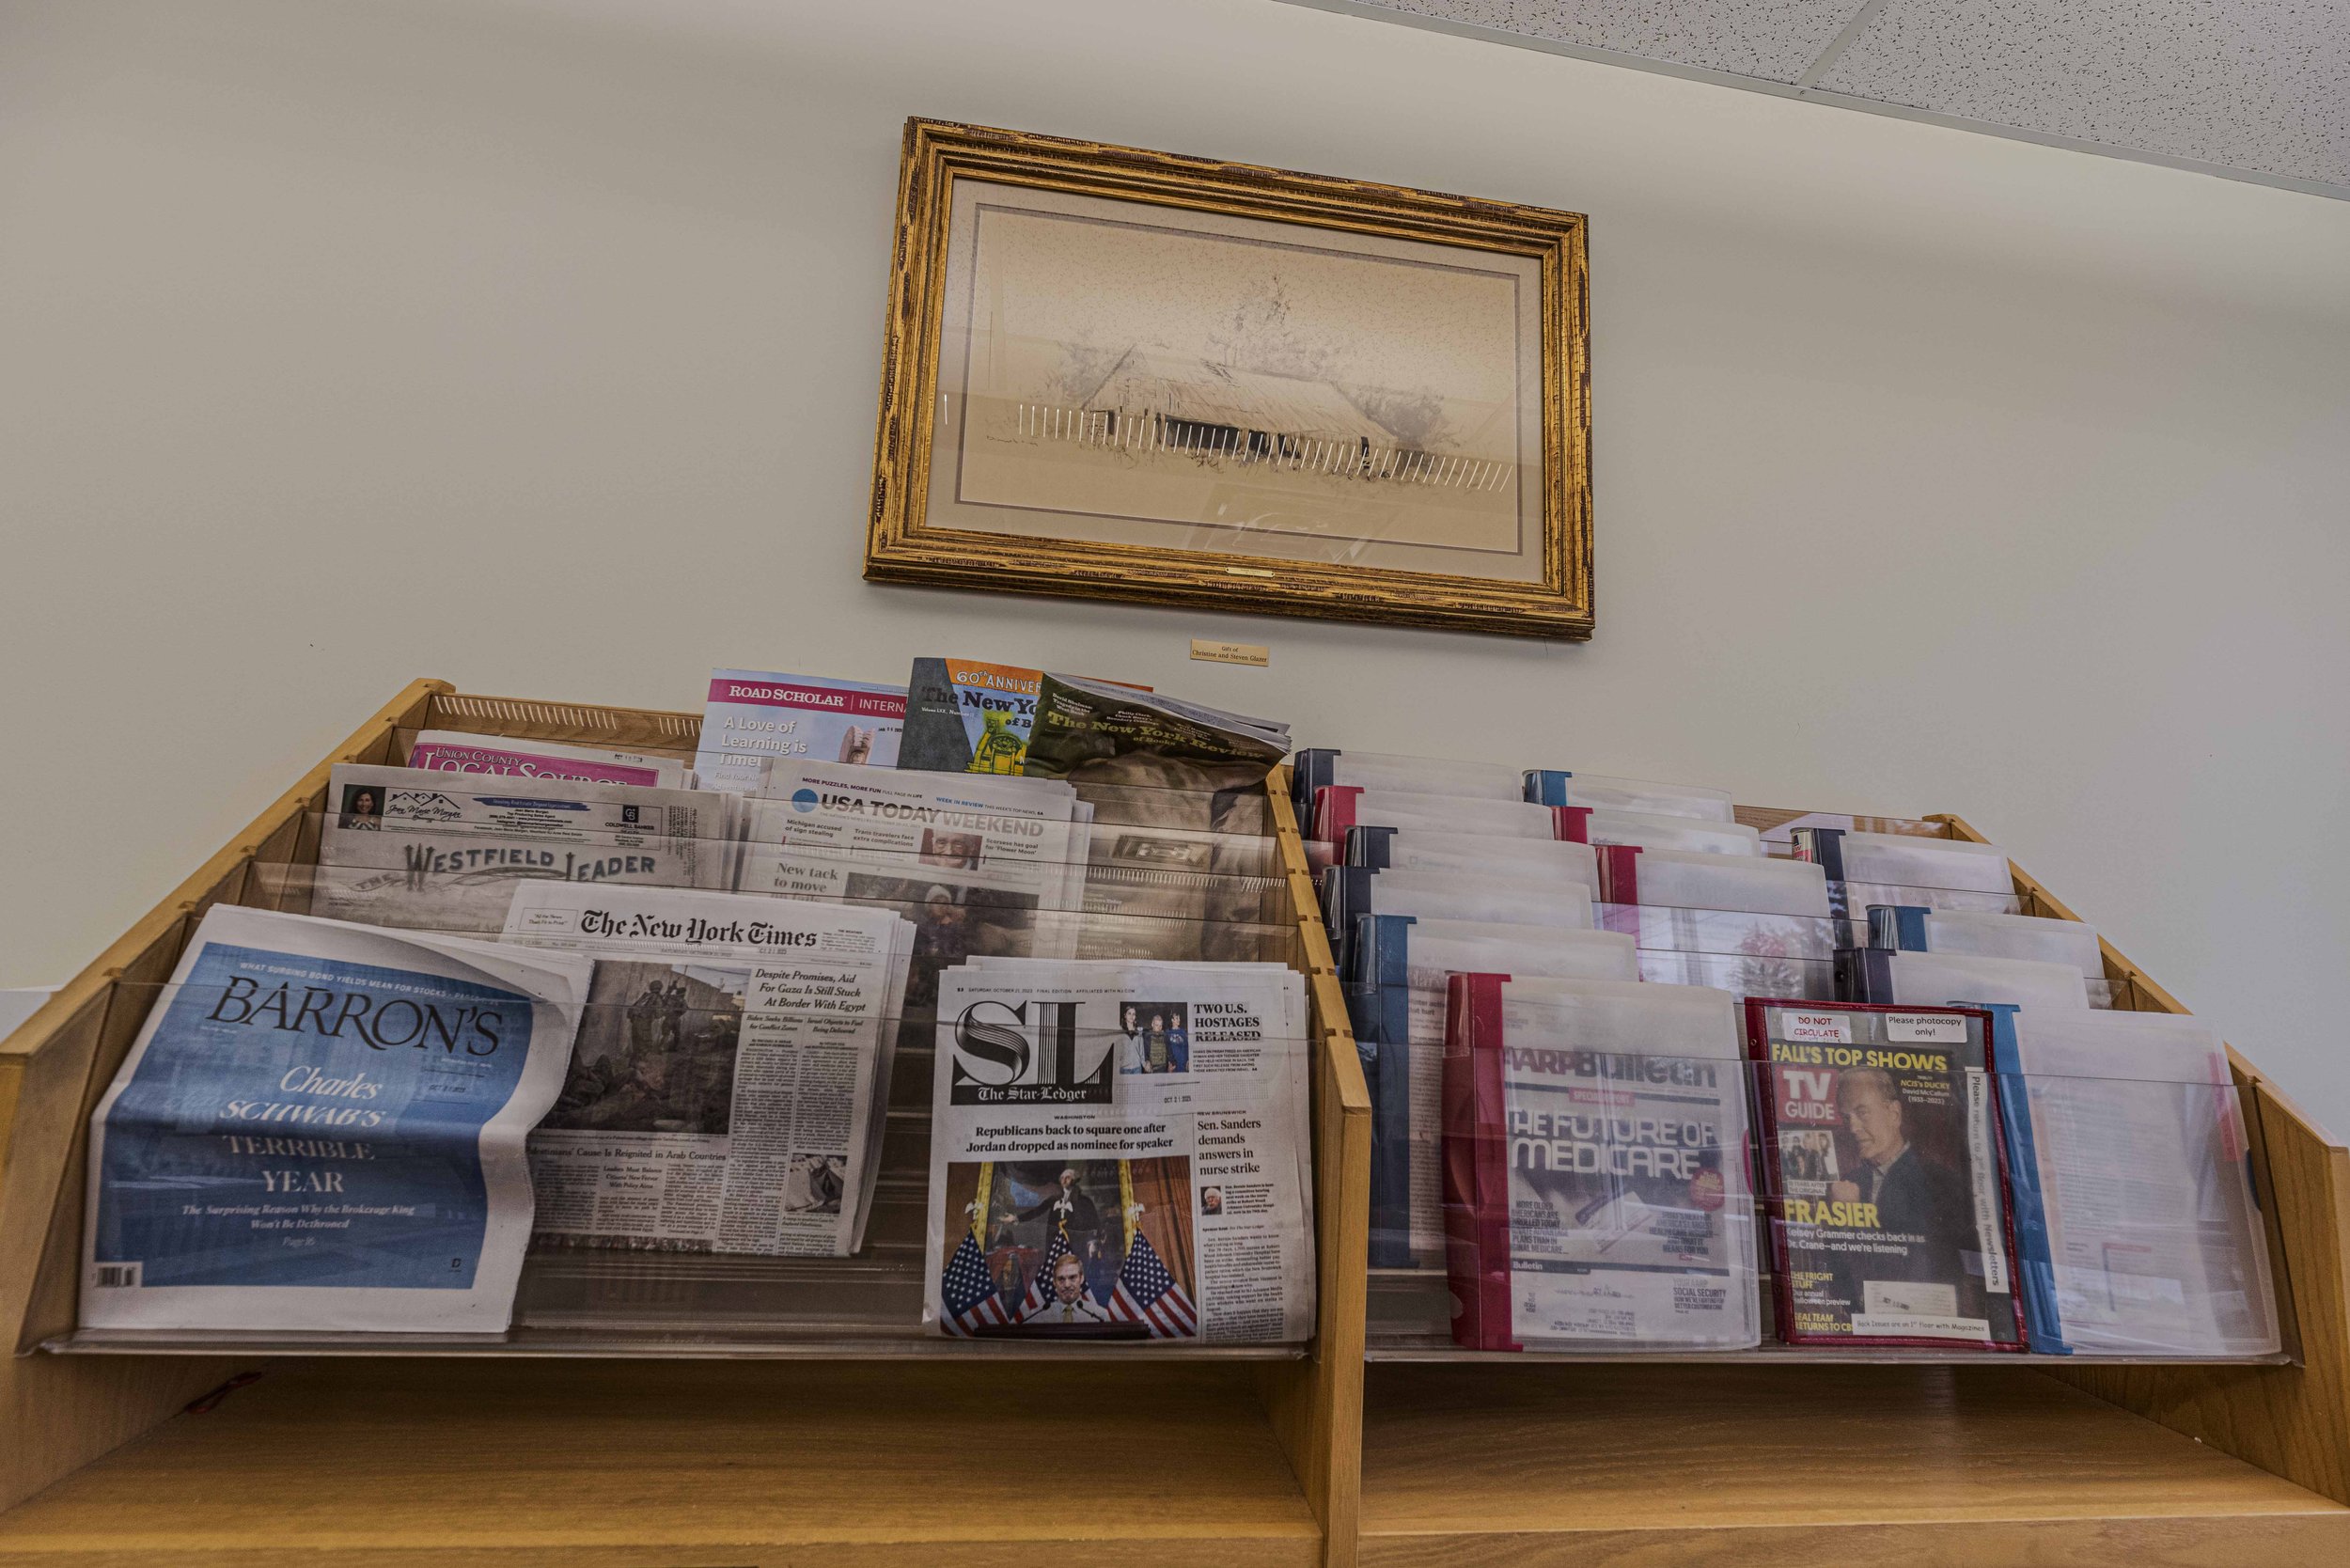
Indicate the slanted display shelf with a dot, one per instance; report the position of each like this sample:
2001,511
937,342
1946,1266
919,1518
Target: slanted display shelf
1786,1456
569,1445
841,1439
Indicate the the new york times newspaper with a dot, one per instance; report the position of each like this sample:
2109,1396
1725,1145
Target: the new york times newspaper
1118,1151
731,1080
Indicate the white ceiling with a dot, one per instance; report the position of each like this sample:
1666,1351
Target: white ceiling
2250,89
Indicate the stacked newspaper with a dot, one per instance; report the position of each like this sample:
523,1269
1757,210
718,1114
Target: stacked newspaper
1129,734
1119,1150
444,849
731,1080
831,831
1397,1004
321,1127
1181,846
1147,760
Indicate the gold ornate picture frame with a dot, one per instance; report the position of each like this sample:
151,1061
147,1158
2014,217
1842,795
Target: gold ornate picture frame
1118,374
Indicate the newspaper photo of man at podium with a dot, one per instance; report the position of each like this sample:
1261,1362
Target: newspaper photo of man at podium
1068,1250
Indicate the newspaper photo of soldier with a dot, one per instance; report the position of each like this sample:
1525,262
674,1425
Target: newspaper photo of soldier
657,1051
1080,1248
815,1184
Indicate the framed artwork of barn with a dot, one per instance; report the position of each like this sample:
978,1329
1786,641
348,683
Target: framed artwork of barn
1133,375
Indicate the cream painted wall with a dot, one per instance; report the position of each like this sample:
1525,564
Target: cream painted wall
535,346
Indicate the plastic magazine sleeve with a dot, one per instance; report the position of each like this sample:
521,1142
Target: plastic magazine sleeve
1885,1185
1399,998
1932,980
1533,861
2136,1219
1432,776
1595,1158
1475,1177
2034,1275
1552,787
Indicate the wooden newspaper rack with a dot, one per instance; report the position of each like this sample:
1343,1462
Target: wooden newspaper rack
911,1461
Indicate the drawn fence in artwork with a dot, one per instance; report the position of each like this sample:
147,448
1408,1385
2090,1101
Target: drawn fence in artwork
1358,457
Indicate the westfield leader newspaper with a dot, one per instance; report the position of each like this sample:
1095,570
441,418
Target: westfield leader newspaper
1118,1151
321,1127
732,1075
440,851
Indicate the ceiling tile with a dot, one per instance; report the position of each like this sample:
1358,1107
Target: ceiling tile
1771,39
2256,85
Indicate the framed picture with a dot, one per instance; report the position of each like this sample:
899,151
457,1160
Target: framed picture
1131,375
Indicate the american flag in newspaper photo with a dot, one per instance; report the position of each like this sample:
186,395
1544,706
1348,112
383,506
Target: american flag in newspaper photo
969,1293
1147,1293
1081,1248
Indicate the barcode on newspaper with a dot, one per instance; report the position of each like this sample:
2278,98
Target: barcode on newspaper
113,1276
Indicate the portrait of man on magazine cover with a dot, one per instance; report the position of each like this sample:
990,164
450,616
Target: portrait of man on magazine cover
1915,1193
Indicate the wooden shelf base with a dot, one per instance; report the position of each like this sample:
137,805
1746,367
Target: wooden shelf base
1475,1467
615,1465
